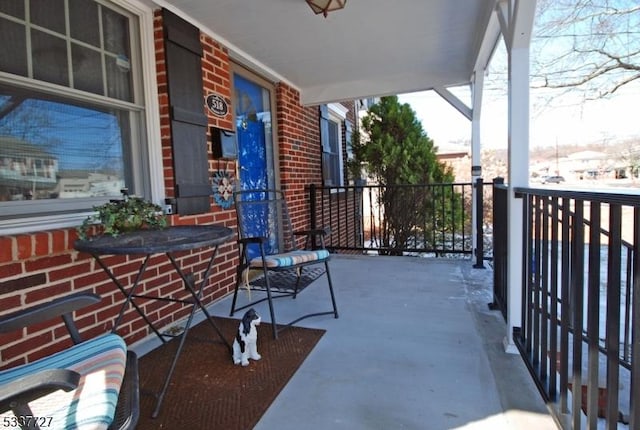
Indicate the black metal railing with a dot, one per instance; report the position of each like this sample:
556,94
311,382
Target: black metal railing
396,220
500,223
580,287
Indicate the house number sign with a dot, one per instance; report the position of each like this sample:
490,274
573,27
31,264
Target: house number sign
217,105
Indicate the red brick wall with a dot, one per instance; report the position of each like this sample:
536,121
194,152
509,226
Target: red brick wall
299,152
39,266
339,210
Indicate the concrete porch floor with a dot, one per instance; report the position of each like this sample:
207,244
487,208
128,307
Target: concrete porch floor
415,347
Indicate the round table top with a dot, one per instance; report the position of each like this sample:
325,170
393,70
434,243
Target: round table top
170,239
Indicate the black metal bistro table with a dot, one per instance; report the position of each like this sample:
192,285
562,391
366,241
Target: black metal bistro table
167,241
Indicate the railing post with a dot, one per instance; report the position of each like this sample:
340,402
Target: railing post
312,205
312,208
499,247
479,224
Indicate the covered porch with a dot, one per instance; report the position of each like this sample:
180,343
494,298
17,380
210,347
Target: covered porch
415,347
416,344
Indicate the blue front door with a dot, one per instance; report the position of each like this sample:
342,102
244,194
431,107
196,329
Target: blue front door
254,131
255,146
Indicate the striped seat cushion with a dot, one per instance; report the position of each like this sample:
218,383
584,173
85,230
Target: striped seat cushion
101,363
292,258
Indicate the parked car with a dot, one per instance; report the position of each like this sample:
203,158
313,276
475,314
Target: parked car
553,180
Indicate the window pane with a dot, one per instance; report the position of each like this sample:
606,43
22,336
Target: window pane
13,8
326,171
48,14
116,32
13,49
116,42
57,149
49,58
119,78
335,170
333,137
87,69
84,22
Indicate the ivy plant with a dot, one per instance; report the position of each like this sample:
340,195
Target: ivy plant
120,216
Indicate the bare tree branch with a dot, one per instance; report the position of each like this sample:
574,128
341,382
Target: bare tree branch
589,46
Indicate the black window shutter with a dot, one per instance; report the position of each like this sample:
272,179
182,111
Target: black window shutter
183,53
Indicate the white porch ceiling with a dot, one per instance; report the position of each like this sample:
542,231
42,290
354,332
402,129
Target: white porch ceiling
370,48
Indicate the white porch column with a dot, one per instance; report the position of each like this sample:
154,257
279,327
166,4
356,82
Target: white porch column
516,19
472,114
518,177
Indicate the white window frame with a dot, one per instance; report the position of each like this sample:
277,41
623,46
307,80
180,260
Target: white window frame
338,114
151,120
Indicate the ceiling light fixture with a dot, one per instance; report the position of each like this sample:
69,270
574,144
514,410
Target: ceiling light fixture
326,6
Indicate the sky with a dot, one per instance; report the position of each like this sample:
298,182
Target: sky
568,121
598,121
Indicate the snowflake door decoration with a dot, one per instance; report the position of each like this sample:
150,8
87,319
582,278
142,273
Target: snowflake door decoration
223,184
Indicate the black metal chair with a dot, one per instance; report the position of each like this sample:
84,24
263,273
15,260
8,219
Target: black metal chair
94,383
270,258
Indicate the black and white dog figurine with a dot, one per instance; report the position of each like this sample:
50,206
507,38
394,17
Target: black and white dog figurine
245,345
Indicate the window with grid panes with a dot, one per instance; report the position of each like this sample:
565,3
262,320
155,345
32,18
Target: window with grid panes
332,120
72,113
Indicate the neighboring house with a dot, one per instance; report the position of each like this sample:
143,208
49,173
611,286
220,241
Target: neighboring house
87,184
580,165
103,112
459,159
26,170
589,165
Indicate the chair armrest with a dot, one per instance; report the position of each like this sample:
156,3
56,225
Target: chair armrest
62,307
256,239
19,392
326,231
313,235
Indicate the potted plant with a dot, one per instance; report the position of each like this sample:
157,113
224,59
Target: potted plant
120,216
